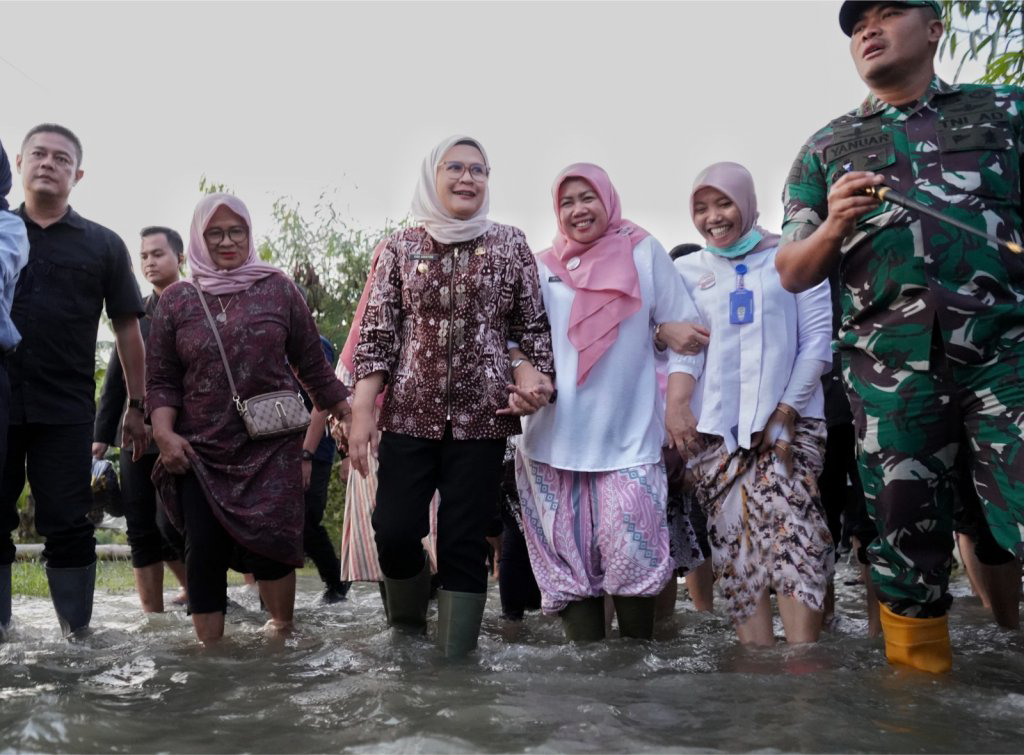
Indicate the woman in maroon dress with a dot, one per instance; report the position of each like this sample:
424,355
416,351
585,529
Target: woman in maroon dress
238,500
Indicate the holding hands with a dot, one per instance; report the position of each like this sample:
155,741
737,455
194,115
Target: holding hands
531,391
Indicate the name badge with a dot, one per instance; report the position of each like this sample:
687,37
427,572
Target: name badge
741,306
429,257
554,279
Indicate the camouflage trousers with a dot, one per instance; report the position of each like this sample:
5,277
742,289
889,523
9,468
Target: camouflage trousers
909,428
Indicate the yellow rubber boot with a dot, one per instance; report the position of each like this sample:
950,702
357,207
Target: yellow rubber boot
922,644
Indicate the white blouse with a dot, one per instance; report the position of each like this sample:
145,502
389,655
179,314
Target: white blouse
751,368
616,418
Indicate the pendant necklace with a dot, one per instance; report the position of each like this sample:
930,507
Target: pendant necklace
223,316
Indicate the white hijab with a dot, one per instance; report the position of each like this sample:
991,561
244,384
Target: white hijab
426,205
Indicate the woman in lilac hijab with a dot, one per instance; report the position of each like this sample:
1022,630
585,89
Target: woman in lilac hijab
756,436
238,500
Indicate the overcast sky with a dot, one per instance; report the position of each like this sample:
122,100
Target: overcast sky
295,99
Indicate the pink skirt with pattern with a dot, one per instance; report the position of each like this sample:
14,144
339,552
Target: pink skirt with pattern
593,533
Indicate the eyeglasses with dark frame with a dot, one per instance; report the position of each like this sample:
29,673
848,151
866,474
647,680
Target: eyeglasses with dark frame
215,236
456,169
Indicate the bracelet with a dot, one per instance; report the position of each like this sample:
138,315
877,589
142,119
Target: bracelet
517,362
787,411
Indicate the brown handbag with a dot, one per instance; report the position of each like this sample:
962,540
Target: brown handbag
268,415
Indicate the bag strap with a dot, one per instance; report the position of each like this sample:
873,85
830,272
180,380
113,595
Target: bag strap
220,347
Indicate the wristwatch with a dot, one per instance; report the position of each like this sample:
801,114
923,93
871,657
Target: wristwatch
307,455
135,403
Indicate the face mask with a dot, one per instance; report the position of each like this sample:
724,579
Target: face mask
740,247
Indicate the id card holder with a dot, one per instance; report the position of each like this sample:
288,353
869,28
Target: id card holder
741,306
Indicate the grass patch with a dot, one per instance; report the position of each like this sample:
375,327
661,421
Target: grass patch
28,577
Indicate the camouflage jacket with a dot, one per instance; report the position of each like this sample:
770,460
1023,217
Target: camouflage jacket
958,149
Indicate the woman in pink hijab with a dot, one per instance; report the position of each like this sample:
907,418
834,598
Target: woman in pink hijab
589,469
239,501
756,434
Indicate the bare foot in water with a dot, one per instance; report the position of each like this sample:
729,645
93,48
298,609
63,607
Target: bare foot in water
279,628
180,599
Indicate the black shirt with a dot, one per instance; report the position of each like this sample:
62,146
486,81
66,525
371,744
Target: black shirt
74,266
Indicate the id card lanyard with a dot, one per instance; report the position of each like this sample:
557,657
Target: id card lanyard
741,300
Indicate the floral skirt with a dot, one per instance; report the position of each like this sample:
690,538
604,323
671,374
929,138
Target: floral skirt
766,529
590,533
358,548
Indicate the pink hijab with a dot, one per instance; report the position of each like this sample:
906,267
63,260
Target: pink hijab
735,181
201,268
606,283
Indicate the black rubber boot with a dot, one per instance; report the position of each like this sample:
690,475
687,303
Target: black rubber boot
5,601
636,616
71,591
405,600
458,621
583,620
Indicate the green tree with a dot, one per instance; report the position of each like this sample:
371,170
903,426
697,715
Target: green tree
326,256
989,31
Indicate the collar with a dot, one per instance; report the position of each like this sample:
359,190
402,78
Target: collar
872,105
70,217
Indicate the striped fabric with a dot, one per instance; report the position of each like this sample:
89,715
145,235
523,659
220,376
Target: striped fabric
358,549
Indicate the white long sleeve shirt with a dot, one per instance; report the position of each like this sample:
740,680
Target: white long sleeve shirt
616,418
751,368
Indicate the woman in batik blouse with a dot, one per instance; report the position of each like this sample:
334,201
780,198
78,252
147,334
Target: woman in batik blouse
449,298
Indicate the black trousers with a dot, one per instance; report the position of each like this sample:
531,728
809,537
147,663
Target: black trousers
466,473
315,540
516,583
210,551
151,536
57,460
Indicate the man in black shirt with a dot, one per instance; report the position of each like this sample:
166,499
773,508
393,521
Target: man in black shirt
74,267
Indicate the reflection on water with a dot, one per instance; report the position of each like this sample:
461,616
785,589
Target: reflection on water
343,682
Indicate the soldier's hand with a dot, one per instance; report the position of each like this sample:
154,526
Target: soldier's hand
847,201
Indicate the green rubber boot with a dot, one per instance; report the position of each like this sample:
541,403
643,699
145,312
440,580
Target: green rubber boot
583,620
636,616
405,600
458,621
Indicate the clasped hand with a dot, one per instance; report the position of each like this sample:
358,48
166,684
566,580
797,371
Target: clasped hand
531,391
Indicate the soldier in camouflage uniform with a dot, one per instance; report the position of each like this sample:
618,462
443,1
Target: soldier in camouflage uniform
932,335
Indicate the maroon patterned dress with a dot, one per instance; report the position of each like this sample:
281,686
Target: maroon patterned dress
253,486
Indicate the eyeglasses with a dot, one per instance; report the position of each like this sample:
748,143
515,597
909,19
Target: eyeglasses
456,169
215,236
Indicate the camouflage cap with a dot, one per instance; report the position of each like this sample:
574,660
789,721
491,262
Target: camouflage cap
851,11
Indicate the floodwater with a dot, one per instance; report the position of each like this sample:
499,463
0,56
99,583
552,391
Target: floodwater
343,682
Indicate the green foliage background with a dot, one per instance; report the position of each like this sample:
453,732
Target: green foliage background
989,31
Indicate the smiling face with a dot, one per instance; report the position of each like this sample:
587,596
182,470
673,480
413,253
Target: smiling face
581,213
891,42
461,195
48,164
717,217
227,238
159,262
